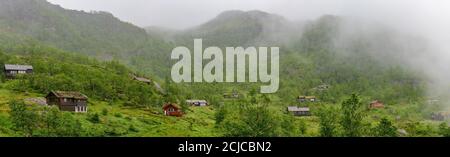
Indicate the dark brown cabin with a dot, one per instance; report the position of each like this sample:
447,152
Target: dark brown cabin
12,70
68,101
302,99
171,109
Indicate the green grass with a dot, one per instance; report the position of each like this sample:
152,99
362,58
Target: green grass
126,121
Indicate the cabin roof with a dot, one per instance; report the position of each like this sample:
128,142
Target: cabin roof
69,94
298,109
142,79
306,97
167,105
376,102
443,113
18,67
199,101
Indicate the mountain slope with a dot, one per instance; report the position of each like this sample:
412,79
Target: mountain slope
118,105
97,34
239,28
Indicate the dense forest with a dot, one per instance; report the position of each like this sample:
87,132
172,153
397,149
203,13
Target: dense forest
99,55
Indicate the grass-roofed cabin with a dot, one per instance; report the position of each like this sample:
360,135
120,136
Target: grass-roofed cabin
303,99
12,70
197,102
299,111
171,109
376,104
142,79
68,101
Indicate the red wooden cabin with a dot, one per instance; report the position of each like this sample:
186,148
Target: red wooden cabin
171,109
376,104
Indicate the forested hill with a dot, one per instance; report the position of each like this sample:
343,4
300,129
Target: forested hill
57,70
97,34
94,33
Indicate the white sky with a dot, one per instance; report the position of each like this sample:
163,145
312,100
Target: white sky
425,17
186,13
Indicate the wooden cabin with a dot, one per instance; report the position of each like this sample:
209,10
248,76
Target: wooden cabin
68,101
433,101
322,87
233,95
197,102
440,116
12,70
306,99
376,104
142,79
299,111
171,109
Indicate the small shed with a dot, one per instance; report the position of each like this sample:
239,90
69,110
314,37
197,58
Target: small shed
440,116
12,70
171,109
376,104
306,99
197,102
142,79
232,95
68,101
299,111
322,87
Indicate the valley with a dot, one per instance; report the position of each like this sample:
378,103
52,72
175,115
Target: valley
332,82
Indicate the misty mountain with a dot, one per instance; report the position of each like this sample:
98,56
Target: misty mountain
241,28
329,50
347,54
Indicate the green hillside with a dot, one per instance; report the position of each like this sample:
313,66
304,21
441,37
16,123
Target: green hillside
97,34
118,105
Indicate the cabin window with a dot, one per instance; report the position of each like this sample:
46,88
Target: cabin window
22,72
65,100
171,109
